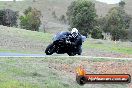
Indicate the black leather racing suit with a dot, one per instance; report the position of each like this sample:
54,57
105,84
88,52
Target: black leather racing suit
75,42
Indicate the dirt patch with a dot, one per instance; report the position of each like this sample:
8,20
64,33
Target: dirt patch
114,68
108,67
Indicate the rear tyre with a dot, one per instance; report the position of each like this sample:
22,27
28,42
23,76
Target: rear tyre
50,49
71,54
80,52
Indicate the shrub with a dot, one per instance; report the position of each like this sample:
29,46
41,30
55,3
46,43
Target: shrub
31,19
8,17
97,33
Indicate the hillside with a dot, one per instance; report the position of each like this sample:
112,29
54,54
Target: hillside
60,8
23,41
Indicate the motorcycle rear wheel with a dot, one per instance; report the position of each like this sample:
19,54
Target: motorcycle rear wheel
71,54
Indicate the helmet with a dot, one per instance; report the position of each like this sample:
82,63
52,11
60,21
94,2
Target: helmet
74,32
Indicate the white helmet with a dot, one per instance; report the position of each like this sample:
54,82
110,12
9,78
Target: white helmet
74,32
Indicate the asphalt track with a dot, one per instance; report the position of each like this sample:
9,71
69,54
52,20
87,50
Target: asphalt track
61,56
21,55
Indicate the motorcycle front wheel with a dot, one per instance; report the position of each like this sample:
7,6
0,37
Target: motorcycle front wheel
50,49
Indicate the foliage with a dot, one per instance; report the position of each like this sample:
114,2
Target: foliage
97,33
122,4
29,9
81,14
116,22
129,32
31,19
101,22
8,17
119,34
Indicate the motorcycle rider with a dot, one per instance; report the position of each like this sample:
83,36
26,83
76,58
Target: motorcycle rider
75,40
72,39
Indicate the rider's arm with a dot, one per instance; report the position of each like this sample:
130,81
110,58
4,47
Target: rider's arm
77,42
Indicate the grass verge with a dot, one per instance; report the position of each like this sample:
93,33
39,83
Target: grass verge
51,72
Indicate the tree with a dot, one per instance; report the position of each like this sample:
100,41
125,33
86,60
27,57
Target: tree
119,34
97,33
102,22
2,13
29,9
122,3
129,32
31,19
8,17
81,14
116,22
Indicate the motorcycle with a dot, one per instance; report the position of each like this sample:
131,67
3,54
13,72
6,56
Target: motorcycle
61,44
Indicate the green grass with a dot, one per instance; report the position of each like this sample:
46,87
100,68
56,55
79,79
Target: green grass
24,35
108,46
16,84
9,82
27,34
42,73
5,50
39,36
19,51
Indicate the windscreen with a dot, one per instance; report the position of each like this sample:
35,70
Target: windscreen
59,36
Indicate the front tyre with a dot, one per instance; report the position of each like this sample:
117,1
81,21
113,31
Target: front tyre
50,49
